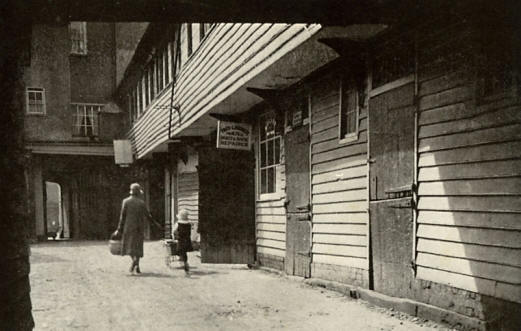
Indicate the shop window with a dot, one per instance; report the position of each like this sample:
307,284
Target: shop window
78,35
85,120
35,101
269,152
349,111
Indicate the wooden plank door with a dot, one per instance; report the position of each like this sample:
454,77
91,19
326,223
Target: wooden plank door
391,147
298,224
226,205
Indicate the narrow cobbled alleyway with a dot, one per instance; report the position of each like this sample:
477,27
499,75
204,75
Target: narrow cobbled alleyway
80,286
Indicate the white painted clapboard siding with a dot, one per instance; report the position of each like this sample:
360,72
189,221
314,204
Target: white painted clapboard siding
188,198
230,56
469,207
339,184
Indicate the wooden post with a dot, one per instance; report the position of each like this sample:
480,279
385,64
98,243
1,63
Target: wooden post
15,304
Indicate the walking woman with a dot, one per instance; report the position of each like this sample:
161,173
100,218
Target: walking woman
132,224
181,232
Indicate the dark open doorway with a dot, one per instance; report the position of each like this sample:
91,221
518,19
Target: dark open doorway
56,212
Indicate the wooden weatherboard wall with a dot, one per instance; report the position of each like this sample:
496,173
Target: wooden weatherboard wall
469,171
188,197
339,190
231,55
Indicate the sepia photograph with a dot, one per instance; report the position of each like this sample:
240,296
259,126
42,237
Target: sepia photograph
260,165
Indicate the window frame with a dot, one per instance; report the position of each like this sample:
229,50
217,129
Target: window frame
343,135
41,91
189,37
151,72
83,38
94,117
202,31
277,138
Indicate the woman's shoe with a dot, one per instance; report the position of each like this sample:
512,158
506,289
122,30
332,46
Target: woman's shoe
138,270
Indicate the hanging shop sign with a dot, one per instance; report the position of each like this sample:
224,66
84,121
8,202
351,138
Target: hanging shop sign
232,135
123,153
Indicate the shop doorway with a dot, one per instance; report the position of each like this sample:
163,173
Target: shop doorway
298,209
226,205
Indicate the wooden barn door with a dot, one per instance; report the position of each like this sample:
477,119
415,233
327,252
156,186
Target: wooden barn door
391,147
226,205
298,224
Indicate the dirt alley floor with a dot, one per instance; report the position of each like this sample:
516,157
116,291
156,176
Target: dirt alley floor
80,286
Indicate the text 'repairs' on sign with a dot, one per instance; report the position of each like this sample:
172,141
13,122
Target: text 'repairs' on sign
232,135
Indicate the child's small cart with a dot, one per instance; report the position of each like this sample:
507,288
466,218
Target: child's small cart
171,251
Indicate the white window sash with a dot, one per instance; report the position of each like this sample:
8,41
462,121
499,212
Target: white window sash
33,105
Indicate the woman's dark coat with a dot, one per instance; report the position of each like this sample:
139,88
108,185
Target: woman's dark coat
132,223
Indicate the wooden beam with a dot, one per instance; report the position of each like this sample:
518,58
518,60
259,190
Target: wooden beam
179,11
226,117
266,94
271,96
353,50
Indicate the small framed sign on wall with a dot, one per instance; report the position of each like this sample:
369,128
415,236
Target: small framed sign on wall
232,135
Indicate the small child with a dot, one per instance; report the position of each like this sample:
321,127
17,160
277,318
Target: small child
181,232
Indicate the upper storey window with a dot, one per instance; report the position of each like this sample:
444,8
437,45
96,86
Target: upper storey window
189,39
35,101
349,110
85,120
78,35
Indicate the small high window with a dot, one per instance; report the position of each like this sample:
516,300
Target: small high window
85,120
35,101
78,35
349,110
